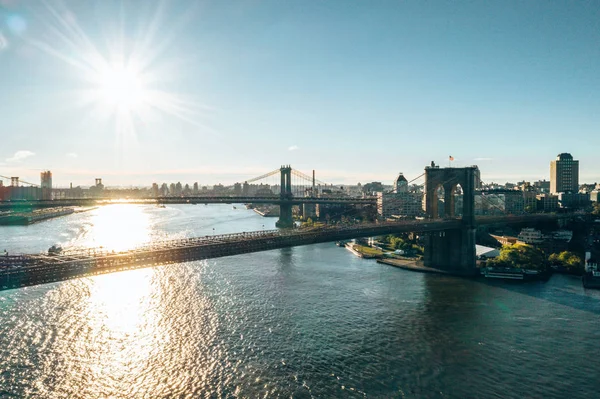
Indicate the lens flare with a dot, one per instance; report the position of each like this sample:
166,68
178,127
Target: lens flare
125,82
121,87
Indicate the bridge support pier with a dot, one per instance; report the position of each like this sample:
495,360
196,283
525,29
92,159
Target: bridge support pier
452,251
285,216
285,207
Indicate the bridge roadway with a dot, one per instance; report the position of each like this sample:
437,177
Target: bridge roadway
187,200
27,270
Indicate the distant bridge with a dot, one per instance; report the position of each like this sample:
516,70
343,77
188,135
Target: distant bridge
295,188
209,199
27,270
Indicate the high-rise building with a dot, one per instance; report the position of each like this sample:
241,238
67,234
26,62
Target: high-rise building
564,174
46,184
401,184
46,179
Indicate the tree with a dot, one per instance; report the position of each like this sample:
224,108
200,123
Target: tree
568,260
596,211
519,256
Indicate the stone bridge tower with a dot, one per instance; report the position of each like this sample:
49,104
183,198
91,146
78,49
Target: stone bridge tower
285,207
451,250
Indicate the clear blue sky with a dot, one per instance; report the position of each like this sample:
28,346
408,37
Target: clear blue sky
358,90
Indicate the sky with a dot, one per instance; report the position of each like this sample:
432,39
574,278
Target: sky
143,91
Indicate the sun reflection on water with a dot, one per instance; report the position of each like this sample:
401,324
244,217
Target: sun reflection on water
118,228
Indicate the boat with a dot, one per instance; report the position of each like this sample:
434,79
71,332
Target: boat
54,250
591,279
234,207
160,206
509,273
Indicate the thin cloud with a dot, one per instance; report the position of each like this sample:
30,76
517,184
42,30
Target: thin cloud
483,159
293,148
20,156
72,155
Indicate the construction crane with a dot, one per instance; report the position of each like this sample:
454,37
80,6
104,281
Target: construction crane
20,181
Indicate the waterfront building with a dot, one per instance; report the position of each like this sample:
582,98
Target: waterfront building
564,174
399,204
595,196
531,236
483,252
505,240
554,242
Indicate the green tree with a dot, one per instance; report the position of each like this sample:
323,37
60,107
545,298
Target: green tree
596,211
520,256
569,260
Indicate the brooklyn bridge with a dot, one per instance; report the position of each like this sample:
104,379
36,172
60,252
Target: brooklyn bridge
449,241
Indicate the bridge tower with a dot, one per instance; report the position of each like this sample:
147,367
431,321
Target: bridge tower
285,196
451,250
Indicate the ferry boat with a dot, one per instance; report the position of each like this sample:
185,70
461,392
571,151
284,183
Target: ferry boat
591,277
509,273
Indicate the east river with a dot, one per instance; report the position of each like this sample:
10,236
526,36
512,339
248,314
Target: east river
302,322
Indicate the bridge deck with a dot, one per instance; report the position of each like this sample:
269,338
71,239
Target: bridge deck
26,270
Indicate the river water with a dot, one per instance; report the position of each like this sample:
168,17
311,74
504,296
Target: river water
302,322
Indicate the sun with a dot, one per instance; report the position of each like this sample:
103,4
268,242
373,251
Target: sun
121,87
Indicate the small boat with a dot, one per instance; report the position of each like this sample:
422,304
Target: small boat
234,207
160,206
54,250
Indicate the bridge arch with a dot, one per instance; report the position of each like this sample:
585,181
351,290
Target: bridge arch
463,180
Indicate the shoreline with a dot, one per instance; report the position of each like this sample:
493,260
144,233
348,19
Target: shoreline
417,266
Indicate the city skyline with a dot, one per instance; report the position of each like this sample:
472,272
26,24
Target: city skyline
225,92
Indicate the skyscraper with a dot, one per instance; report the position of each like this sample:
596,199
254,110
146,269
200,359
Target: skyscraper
46,179
564,174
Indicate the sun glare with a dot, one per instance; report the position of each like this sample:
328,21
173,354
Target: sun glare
121,87
126,81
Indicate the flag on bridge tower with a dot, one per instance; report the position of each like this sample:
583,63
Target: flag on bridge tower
450,157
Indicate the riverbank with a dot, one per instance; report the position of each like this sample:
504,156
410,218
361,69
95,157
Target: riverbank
364,252
267,212
38,215
417,266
